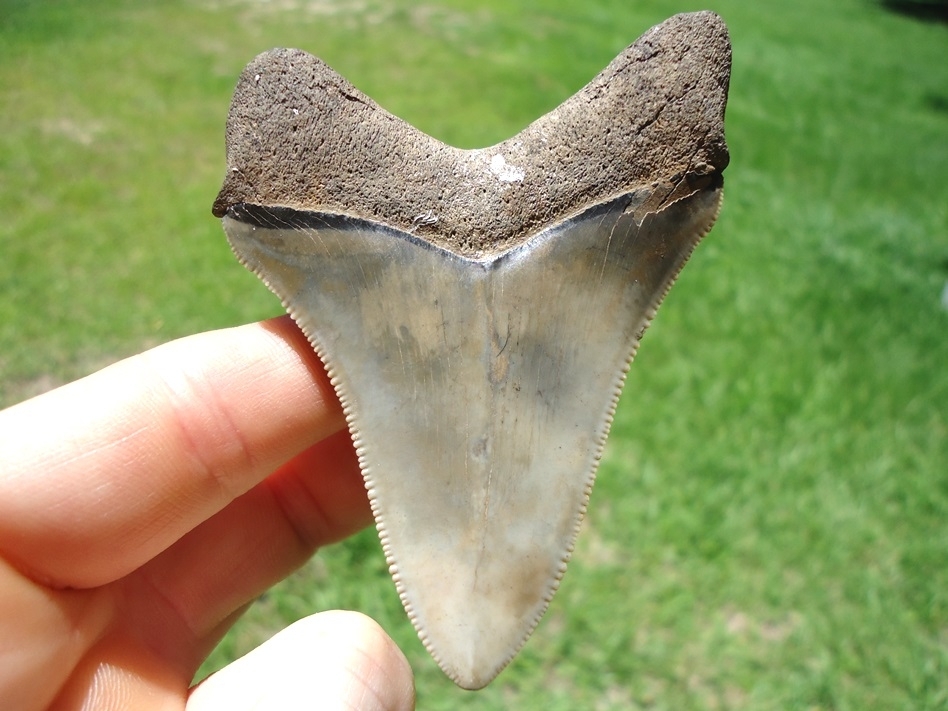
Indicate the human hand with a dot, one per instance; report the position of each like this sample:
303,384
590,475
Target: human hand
143,507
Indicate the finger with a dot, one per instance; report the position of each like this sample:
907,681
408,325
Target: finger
43,635
185,595
116,674
100,475
331,660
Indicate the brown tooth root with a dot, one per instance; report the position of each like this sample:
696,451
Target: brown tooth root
477,310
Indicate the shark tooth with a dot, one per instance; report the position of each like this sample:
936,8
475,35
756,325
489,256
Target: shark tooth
477,310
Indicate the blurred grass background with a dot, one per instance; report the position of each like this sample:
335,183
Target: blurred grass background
770,525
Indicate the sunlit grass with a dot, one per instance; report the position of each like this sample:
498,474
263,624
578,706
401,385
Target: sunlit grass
769,526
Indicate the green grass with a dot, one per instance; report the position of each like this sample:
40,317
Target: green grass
770,525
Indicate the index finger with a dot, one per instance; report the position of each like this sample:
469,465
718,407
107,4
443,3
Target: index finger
100,475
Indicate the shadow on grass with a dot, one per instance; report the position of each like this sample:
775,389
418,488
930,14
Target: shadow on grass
937,103
926,10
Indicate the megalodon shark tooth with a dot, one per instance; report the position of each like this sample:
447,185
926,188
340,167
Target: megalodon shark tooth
477,310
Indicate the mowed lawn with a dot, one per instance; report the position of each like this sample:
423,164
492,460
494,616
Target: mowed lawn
769,529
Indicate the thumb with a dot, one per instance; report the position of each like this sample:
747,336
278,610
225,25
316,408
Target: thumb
332,660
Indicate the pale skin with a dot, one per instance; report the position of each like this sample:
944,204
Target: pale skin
141,510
